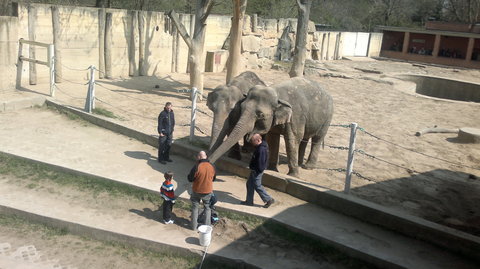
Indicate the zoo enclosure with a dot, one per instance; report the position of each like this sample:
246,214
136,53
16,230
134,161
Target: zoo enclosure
353,151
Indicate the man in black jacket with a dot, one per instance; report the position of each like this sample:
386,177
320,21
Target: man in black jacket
258,164
166,125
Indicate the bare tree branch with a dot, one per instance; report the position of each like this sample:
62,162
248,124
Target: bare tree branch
181,28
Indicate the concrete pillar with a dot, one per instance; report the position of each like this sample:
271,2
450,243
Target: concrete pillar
406,40
436,45
471,42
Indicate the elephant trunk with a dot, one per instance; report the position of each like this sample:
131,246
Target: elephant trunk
219,131
244,126
217,128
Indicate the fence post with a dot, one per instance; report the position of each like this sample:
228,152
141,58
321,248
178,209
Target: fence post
51,64
89,103
19,65
351,151
194,113
92,83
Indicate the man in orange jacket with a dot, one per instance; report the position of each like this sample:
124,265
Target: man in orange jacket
202,175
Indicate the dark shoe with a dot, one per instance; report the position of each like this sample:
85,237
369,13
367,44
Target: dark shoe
162,162
169,160
245,203
269,203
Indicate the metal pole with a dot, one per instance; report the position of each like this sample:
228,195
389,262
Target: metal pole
351,151
194,113
51,64
88,101
92,82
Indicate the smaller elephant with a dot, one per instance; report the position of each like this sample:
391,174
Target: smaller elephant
298,109
224,102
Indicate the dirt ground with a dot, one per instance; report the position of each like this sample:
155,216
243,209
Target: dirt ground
431,176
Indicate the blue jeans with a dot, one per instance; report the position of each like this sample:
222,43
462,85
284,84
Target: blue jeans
196,198
254,183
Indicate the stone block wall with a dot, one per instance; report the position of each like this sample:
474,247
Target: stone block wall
164,49
8,52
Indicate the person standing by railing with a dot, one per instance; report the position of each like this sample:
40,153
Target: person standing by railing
166,125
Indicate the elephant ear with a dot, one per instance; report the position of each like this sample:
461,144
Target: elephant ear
283,113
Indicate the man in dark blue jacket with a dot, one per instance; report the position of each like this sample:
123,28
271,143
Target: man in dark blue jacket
258,164
166,125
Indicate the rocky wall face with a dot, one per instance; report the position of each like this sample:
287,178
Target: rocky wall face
8,52
164,50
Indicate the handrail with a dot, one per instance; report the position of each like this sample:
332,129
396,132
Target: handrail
36,43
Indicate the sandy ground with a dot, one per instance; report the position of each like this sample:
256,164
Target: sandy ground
432,176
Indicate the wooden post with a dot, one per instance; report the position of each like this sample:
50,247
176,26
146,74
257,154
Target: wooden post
32,15
254,23
108,45
18,84
141,43
351,151
101,42
56,43
51,65
406,42
471,43
193,114
436,45
131,48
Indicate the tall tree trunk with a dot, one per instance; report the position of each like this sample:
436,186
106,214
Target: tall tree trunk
56,42
32,22
101,42
301,38
132,66
108,45
141,43
196,42
234,68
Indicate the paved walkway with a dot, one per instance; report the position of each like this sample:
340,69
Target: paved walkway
49,137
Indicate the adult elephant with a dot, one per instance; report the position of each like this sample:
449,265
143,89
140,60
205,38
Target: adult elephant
224,102
298,109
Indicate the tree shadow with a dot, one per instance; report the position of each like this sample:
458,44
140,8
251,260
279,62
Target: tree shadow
442,196
162,86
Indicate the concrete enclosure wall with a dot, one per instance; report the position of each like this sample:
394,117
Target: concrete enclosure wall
8,52
445,88
164,49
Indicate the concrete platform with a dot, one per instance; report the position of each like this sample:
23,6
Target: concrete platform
66,144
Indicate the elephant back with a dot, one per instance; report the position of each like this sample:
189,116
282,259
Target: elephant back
309,99
245,81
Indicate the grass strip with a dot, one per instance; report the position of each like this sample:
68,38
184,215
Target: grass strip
37,172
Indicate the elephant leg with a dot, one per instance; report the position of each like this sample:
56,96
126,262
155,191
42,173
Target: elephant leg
235,153
273,141
301,151
291,143
315,150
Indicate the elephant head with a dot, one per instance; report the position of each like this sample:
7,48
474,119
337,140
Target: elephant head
259,112
221,102
224,102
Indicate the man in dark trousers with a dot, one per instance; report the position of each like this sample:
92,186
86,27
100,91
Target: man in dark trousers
166,125
258,164
202,175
